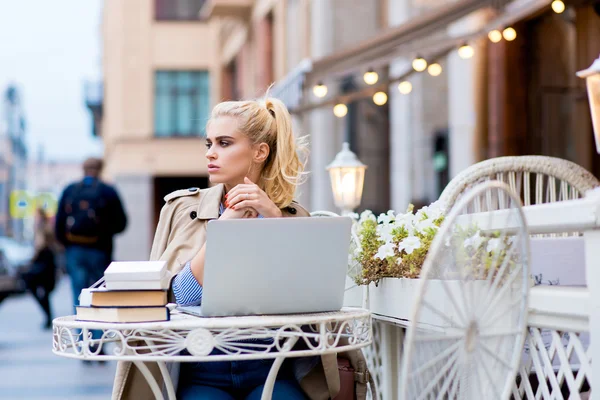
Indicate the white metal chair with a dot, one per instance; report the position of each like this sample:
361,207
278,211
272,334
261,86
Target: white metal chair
323,214
469,316
536,179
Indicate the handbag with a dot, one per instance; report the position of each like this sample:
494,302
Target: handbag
353,384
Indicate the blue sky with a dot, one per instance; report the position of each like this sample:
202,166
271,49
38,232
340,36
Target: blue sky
49,49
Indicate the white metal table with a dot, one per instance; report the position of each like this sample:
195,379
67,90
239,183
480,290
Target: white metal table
162,342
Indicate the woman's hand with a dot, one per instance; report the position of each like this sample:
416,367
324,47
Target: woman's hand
249,195
238,213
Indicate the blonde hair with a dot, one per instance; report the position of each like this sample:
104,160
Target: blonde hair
269,121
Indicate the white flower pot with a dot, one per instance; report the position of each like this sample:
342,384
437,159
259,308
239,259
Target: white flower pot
394,298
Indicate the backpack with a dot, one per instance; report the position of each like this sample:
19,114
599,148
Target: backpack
84,211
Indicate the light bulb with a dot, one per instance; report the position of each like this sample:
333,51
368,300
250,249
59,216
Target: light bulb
371,77
465,51
495,36
340,110
380,98
509,34
348,183
320,90
558,6
405,87
419,64
434,69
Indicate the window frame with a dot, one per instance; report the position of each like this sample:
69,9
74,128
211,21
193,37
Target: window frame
174,95
171,18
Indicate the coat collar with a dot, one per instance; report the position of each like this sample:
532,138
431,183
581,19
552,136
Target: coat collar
210,202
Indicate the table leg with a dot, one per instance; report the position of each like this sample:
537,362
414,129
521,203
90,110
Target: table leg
167,380
165,374
267,393
150,379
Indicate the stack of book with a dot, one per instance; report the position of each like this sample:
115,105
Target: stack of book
131,292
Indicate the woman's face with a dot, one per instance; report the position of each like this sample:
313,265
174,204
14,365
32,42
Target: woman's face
229,152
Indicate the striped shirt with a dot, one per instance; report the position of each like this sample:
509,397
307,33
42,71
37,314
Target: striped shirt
187,290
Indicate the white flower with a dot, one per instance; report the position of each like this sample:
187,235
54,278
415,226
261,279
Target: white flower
425,224
432,211
387,250
474,241
367,215
405,221
386,218
354,216
385,232
436,210
409,244
494,245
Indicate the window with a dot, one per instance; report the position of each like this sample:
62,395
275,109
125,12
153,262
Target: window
181,103
177,10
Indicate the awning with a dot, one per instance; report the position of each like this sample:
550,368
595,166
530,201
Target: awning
226,8
401,41
380,50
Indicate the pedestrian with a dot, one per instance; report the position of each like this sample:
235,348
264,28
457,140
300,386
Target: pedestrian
253,162
90,214
40,278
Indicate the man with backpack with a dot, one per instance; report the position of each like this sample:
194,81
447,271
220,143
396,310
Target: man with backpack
89,214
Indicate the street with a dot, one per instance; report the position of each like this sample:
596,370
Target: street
28,368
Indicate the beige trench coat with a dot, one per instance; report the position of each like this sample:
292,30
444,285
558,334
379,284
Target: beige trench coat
180,234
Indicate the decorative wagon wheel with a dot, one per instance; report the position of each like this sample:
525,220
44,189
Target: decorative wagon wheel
469,317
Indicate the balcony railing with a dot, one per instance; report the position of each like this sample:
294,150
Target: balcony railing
93,92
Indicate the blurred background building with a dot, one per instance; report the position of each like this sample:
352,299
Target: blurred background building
13,160
498,79
161,78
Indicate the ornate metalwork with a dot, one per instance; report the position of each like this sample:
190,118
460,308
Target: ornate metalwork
238,338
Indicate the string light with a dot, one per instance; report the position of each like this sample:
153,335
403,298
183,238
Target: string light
380,98
419,64
405,87
495,36
434,69
320,90
371,77
465,51
558,6
340,110
509,34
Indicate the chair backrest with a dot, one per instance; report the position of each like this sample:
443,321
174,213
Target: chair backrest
536,179
323,214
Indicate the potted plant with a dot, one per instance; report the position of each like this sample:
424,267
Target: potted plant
391,249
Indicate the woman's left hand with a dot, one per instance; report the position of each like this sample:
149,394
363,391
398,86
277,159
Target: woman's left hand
249,195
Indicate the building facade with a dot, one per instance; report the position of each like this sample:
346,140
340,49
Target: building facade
166,63
13,162
161,78
511,96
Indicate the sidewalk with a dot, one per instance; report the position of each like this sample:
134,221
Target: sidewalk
28,368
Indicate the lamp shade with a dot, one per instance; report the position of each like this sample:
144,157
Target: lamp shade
592,77
347,175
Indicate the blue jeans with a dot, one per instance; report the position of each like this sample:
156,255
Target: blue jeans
230,380
85,266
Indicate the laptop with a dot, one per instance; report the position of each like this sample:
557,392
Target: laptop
274,266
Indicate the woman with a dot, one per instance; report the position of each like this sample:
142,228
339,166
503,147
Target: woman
253,160
40,279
